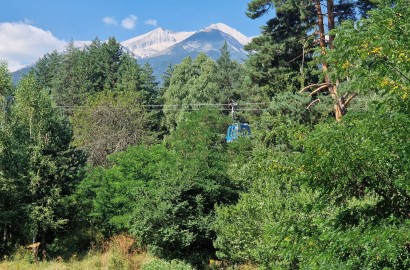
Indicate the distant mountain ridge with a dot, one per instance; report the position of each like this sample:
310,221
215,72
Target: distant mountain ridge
162,47
160,41
153,42
208,40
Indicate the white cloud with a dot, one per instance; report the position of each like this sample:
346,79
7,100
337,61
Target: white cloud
22,44
109,20
151,22
129,22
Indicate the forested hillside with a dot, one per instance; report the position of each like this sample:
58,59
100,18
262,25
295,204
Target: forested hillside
93,147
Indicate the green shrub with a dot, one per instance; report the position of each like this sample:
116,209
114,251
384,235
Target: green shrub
157,264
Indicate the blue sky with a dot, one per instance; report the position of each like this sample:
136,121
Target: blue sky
30,28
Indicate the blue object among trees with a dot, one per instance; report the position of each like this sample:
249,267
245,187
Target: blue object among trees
237,130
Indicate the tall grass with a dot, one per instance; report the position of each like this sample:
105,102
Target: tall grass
120,253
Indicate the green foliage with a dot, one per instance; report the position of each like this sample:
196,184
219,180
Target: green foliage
257,8
70,85
47,68
169,190
228,77
158,264
383,246
272,221
174,211
192,82
279,56
78,73
200,81
360,167
371,153
6,81
39,169
302,193
341,203
23,254
102,62
327,195
6,90
108,195
374,52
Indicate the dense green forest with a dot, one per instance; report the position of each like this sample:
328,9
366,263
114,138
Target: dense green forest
93,146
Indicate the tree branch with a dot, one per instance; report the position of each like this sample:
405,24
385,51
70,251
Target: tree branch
350,99
312,103
313,85
319,89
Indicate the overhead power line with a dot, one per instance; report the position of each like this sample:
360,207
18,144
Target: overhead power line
248,106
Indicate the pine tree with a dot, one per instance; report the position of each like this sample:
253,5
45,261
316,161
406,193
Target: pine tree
228,76
279,56
71,85
328,13
47,69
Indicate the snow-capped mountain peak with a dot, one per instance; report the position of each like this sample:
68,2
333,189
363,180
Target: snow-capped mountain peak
153,42
209,41
160,40
230,31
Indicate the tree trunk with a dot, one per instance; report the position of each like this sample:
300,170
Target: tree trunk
5,233
341,103
340,107
322,36
330,21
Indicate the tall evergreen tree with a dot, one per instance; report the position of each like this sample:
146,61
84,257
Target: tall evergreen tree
47,69
287,43
148,84
228,76
111,60
166,77
328,13
279,56
71,84
129,75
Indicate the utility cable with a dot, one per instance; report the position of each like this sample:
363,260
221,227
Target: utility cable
183,107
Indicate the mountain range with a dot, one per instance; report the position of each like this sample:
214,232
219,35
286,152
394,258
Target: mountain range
162,47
